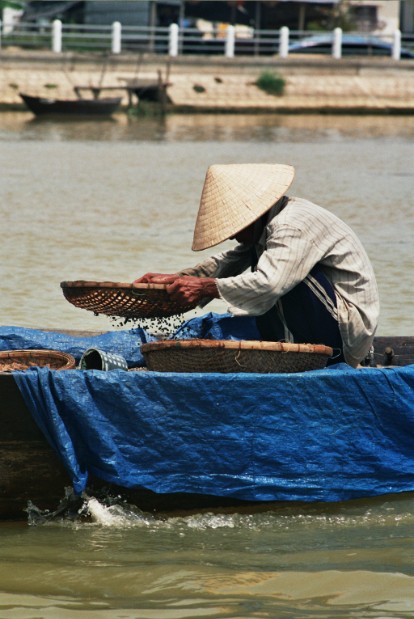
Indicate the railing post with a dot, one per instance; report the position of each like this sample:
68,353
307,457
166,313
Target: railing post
284,42
337,43
173,40
57,36
1,26
116,37
230,42
396,45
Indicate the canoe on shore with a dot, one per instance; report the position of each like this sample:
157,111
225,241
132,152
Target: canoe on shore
171,442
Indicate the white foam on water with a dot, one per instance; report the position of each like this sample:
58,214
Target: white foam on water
103,515
117,515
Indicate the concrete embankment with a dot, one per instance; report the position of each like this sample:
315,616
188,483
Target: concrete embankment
217,84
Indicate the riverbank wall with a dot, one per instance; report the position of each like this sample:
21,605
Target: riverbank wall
313,84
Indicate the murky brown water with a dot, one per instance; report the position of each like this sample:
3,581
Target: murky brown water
113,199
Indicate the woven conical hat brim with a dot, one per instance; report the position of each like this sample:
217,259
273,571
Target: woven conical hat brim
234,196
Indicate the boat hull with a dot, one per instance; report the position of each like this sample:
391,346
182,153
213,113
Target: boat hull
32,473
30,469
43,106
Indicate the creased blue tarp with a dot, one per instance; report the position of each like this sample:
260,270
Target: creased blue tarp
125,343
328,435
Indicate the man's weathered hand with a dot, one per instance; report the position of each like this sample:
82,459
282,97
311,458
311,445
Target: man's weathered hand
156,278
188,289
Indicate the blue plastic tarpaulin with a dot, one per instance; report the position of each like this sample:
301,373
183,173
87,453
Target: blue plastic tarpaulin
126,343
326,435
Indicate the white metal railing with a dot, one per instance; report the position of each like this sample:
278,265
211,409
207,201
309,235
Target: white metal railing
175,41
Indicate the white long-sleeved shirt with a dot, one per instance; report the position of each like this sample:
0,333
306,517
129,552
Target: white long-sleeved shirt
294,240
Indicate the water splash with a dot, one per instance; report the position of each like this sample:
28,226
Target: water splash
108,511
115,515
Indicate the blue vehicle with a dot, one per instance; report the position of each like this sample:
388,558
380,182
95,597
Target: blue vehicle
352,45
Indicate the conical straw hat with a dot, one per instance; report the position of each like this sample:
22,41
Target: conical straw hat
234,196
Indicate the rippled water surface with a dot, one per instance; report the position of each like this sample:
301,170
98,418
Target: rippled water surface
353,560
113,199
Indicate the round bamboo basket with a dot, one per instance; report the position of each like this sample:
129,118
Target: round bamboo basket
234,356
123,300
22,360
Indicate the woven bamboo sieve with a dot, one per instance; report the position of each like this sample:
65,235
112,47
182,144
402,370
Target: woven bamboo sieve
123,300
234,356
21,360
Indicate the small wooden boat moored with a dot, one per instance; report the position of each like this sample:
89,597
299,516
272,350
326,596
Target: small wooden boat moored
47,106
170,441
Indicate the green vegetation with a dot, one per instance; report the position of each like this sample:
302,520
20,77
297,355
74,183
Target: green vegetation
10,4
146,108
271,83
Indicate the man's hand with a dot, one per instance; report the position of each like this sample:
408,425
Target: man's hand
156,278
189,289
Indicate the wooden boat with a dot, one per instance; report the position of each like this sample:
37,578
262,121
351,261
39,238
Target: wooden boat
147,90
30,470
47,106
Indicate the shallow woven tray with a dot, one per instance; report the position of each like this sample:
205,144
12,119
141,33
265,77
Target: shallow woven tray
123,300
234,356
21,360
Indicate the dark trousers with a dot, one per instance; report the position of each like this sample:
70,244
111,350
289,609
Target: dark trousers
306,314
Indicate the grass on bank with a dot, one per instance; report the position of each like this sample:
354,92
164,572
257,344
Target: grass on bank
271,83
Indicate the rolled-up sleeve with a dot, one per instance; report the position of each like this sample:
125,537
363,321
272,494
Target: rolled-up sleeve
225,264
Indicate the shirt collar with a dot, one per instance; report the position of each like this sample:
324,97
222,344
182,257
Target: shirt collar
272,213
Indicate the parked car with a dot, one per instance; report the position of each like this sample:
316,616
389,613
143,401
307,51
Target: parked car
352,45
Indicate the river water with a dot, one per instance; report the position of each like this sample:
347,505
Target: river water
110,200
